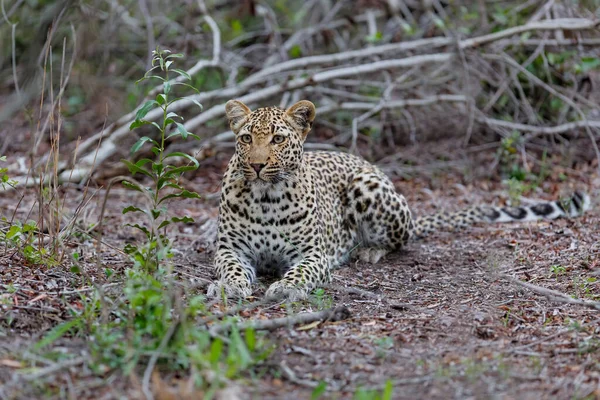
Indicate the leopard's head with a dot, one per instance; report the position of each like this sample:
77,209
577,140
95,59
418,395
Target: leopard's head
269,140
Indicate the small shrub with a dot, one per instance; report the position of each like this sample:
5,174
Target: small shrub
162,172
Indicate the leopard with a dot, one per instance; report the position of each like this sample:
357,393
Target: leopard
295,215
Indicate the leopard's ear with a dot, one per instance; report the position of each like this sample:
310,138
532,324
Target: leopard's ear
302,115
236,113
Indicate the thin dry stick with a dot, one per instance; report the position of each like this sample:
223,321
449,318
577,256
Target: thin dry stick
554,295
52,369
13,49
333,314
539,130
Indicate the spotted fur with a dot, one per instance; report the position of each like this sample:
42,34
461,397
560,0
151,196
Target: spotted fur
572,207
298,215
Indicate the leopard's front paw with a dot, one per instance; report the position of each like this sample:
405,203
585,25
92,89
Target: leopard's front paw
231,290
371,255
286,289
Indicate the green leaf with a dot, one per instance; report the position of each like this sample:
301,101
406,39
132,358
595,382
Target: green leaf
182,169
161,99
167,87
184,194
295,51
132,186
250,336
185,219
318,390
150,77
175,220
13,231
141,228
139,122
143,161
185,155
184,133
141,142
168,64
216,350
238,350
174,185
188,86
174,115
164,181
178,134
56,333
182,73
129,209
387,390
135,169
175,55
164,223
149,105
197,103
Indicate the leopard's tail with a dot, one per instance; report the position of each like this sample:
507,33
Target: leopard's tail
570,207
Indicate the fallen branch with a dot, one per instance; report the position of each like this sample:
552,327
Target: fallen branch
40,373
554,295
566,24
333,314
539,130
243,90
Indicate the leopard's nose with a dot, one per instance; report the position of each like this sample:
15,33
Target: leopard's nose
257,167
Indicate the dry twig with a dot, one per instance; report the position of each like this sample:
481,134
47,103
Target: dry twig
554,295
333,314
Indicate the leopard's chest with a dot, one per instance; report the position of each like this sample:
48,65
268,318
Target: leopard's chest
274,228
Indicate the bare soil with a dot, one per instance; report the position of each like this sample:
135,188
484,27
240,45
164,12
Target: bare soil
439,319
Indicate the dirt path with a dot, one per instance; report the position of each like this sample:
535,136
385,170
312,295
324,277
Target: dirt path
439,320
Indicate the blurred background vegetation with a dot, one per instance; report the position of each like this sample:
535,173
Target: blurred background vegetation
102,47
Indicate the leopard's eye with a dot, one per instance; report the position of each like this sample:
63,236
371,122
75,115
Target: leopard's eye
246,138
278,139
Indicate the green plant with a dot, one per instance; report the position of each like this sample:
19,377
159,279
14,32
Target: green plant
384,394
318,391
321,299
151,322
5,180
584,287
22,237
557,270
162,172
